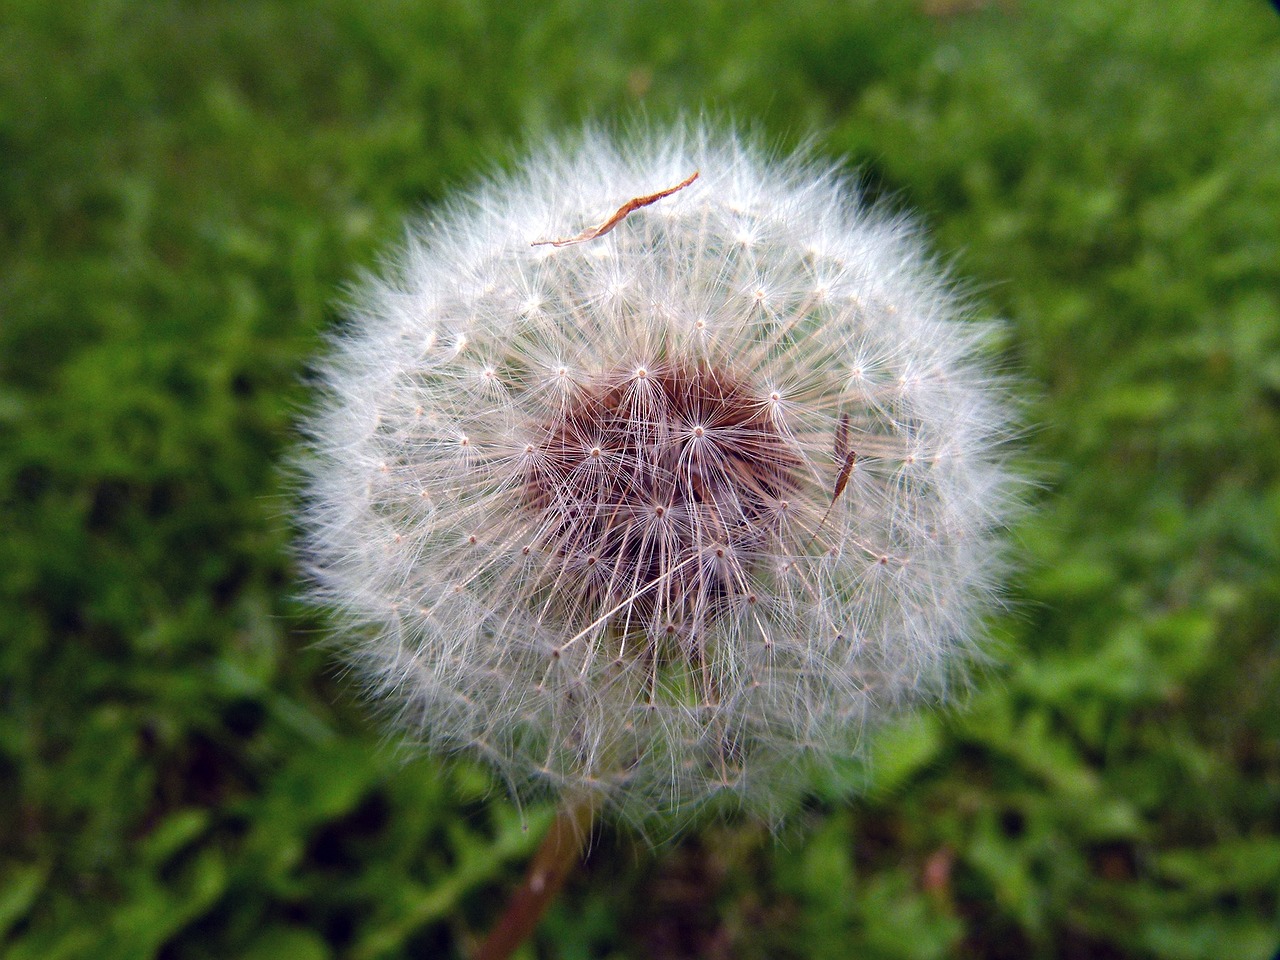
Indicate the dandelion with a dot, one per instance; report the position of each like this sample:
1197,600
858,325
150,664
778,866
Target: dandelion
670,510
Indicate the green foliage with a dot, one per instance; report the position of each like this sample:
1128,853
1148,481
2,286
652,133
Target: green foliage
186,188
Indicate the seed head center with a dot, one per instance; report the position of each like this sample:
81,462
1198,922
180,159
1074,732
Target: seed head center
691,498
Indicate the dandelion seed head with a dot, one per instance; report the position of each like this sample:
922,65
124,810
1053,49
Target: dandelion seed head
672,513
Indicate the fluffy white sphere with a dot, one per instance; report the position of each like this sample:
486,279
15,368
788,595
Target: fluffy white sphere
666,514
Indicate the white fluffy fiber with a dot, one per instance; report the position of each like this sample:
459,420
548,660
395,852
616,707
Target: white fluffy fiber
469,606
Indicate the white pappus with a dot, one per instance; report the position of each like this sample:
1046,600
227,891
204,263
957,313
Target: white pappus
670,513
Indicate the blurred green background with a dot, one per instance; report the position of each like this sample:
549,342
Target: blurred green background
185,189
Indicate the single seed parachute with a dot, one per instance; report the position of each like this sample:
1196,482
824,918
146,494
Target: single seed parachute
671,510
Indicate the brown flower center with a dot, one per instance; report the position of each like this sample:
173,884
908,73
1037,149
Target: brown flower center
658,489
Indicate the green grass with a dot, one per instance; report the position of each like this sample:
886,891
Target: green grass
185,189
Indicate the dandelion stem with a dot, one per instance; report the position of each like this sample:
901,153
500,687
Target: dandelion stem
555,857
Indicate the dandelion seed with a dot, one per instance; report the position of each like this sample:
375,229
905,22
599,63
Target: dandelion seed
711,506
